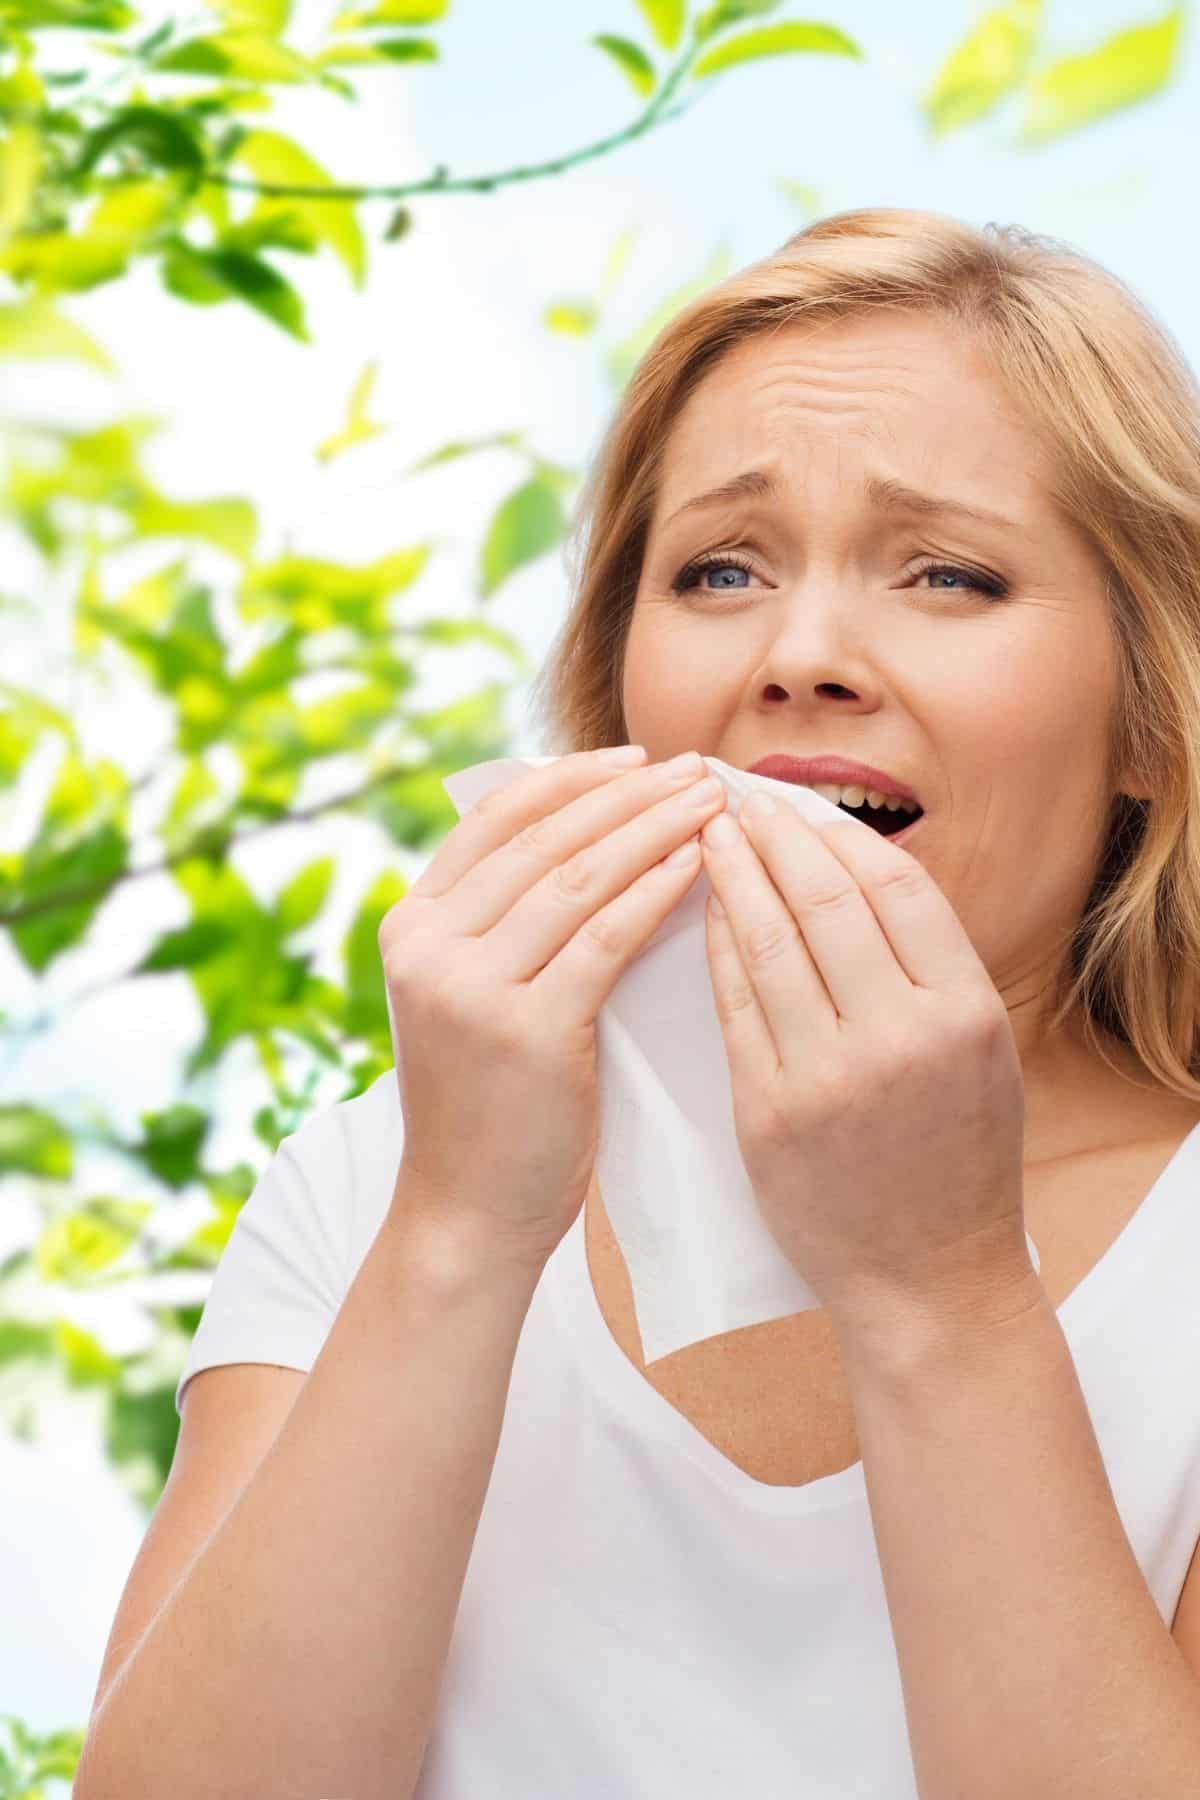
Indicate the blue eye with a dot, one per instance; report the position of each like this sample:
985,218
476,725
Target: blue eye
970,578
691,572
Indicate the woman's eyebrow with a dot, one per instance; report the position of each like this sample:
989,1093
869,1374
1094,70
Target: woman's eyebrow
892,495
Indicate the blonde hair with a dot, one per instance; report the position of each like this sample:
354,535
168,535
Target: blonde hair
1119,405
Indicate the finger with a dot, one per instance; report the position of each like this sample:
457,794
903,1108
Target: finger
845,941
499,815
772,955
749,1042
548,915
928,941
577,982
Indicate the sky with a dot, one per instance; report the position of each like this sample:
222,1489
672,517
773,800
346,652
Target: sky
451,313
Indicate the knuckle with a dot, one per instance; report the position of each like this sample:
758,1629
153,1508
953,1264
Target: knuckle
985,1023
830,898
394,921
534,839
400,966
892,1061
907,879
734,1000
605,934
769,940
573,880
831,1089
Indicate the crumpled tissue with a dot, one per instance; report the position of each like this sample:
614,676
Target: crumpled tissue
701,1259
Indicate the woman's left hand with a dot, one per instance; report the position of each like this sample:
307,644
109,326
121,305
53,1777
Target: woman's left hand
878,1094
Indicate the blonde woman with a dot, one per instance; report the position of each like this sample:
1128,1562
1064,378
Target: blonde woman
922,498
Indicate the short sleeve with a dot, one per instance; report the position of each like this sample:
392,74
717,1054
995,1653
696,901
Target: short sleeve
282,1275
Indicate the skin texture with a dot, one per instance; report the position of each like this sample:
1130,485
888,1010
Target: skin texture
838,638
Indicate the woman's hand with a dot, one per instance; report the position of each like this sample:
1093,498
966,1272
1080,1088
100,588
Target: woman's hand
497,961
877,1090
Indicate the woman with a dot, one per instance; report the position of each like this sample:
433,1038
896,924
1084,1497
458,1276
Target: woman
933,1537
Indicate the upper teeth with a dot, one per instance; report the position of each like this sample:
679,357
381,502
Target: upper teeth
854,796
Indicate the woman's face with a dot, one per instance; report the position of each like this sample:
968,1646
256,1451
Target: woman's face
988,686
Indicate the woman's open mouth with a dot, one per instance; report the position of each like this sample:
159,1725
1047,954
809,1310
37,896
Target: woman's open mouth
889,824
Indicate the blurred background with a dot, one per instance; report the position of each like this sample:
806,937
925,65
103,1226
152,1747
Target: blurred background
285,482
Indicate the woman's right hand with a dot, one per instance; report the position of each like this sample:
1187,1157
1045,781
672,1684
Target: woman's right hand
497,961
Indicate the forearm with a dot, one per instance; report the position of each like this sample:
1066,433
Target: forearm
304,1650
1034,1661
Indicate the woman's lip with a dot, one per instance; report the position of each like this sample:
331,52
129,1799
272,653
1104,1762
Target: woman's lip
898,837
819,771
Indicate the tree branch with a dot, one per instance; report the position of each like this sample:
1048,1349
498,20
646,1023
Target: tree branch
442,182
203,844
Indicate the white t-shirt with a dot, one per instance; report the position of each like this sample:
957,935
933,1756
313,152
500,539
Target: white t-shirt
639,1615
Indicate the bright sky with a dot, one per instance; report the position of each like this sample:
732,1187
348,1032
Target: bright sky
451,313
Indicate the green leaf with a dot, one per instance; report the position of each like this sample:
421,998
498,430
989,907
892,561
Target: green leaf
630,59
24,718
264,18
184,948
165,138
84,1360
311,595
990,61
79,1244
124,221
358,429
304,896
393,12
80,844
20,166
524,526
273,158
572,318
775,40
231,524
244,54
1125,68
187,273
466,447
730,12
617,258
33,328
383,50
172,1141
801,194
407,49
69,15
32,1142
201,275
665,19
366,986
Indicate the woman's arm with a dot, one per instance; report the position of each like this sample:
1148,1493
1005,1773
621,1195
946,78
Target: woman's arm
1034,1660
303,1652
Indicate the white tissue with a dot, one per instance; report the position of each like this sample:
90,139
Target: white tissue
701,1260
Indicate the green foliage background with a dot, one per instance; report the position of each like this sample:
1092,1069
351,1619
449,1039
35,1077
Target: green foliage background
129,143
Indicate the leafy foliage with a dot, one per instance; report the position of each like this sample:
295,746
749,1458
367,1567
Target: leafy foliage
996,59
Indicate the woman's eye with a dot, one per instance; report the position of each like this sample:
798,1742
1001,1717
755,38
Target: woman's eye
689,576
965,578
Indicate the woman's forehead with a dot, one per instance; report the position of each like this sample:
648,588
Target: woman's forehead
882,404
